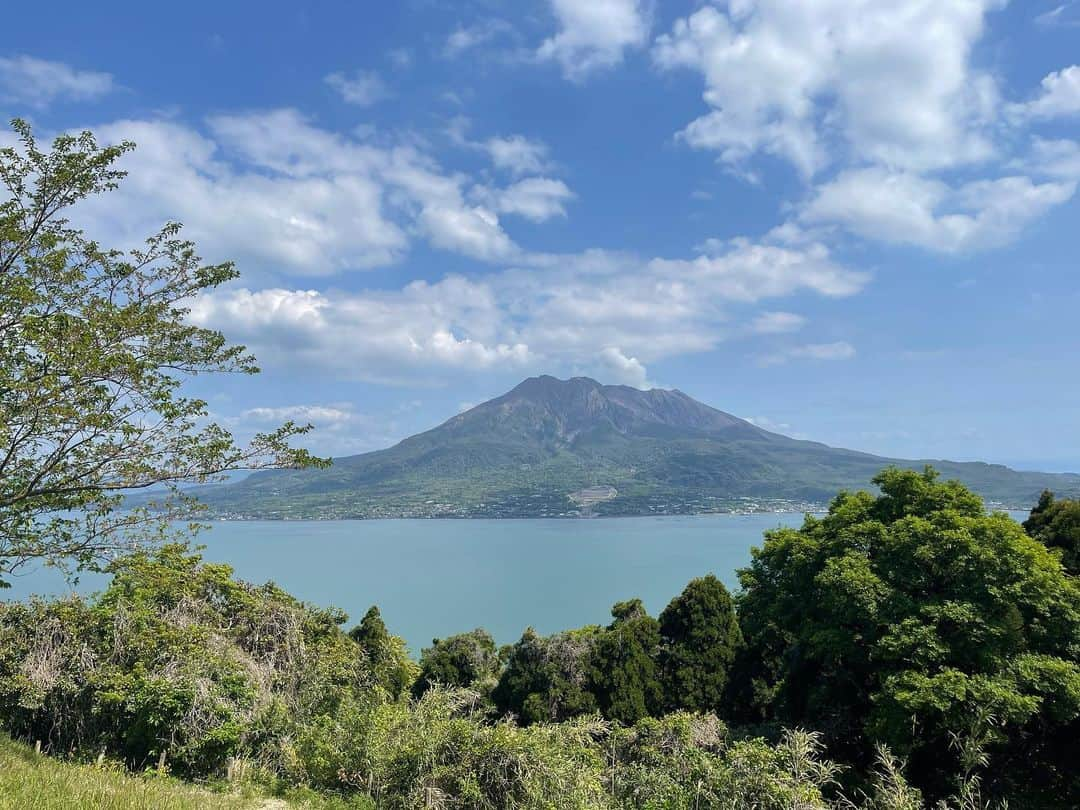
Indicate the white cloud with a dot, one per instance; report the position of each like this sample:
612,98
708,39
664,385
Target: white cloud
363,88
600,312
749,272
624,370
465,38
775,323
840,350
594,35
891,80
1059,97
274,191
905,208
38,82
535,198
472,231
319,415
337,428
881,97
1059,16
518,154
381,337
1054,158
315,223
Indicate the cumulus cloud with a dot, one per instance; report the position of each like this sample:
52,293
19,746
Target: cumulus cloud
518,154
380,337
1054,158
874,102
273,190
535,198
1059,97
624,370
363,88
905,208
594,35
891,78
612,314
38,82
751,271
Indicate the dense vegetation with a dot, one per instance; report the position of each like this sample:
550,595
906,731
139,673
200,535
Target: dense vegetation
927,649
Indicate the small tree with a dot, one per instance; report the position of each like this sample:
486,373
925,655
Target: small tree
699,638
1056,524
466,659
623,675
546,680
94,347
387,655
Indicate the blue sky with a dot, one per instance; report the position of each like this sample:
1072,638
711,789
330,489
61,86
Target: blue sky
849,221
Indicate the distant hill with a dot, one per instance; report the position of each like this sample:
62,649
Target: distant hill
565,447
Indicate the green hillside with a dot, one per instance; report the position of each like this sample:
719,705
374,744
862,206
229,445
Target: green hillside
525,454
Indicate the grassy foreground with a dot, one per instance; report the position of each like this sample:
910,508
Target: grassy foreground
30,781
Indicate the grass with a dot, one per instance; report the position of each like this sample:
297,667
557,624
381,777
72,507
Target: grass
30,781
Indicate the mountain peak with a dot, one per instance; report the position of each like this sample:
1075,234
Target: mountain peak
547,383
527,452
582,404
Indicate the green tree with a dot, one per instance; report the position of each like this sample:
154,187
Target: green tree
699,637
95,344
466,659
910,618
371,633
623,673
386,654
547,679
1056,524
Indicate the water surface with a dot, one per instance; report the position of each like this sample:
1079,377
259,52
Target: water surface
431,578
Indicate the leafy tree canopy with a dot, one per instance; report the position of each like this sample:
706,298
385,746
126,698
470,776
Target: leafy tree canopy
547,679
910,617
95,344
466,659
1056,524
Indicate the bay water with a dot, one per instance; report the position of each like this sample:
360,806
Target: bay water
432,578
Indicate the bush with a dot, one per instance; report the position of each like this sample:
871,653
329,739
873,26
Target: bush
465,660
174,663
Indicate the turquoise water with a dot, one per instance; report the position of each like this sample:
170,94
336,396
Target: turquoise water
432,578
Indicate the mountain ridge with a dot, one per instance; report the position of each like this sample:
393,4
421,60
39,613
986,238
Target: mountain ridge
526,452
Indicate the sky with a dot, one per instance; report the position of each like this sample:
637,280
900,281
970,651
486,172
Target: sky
854,221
